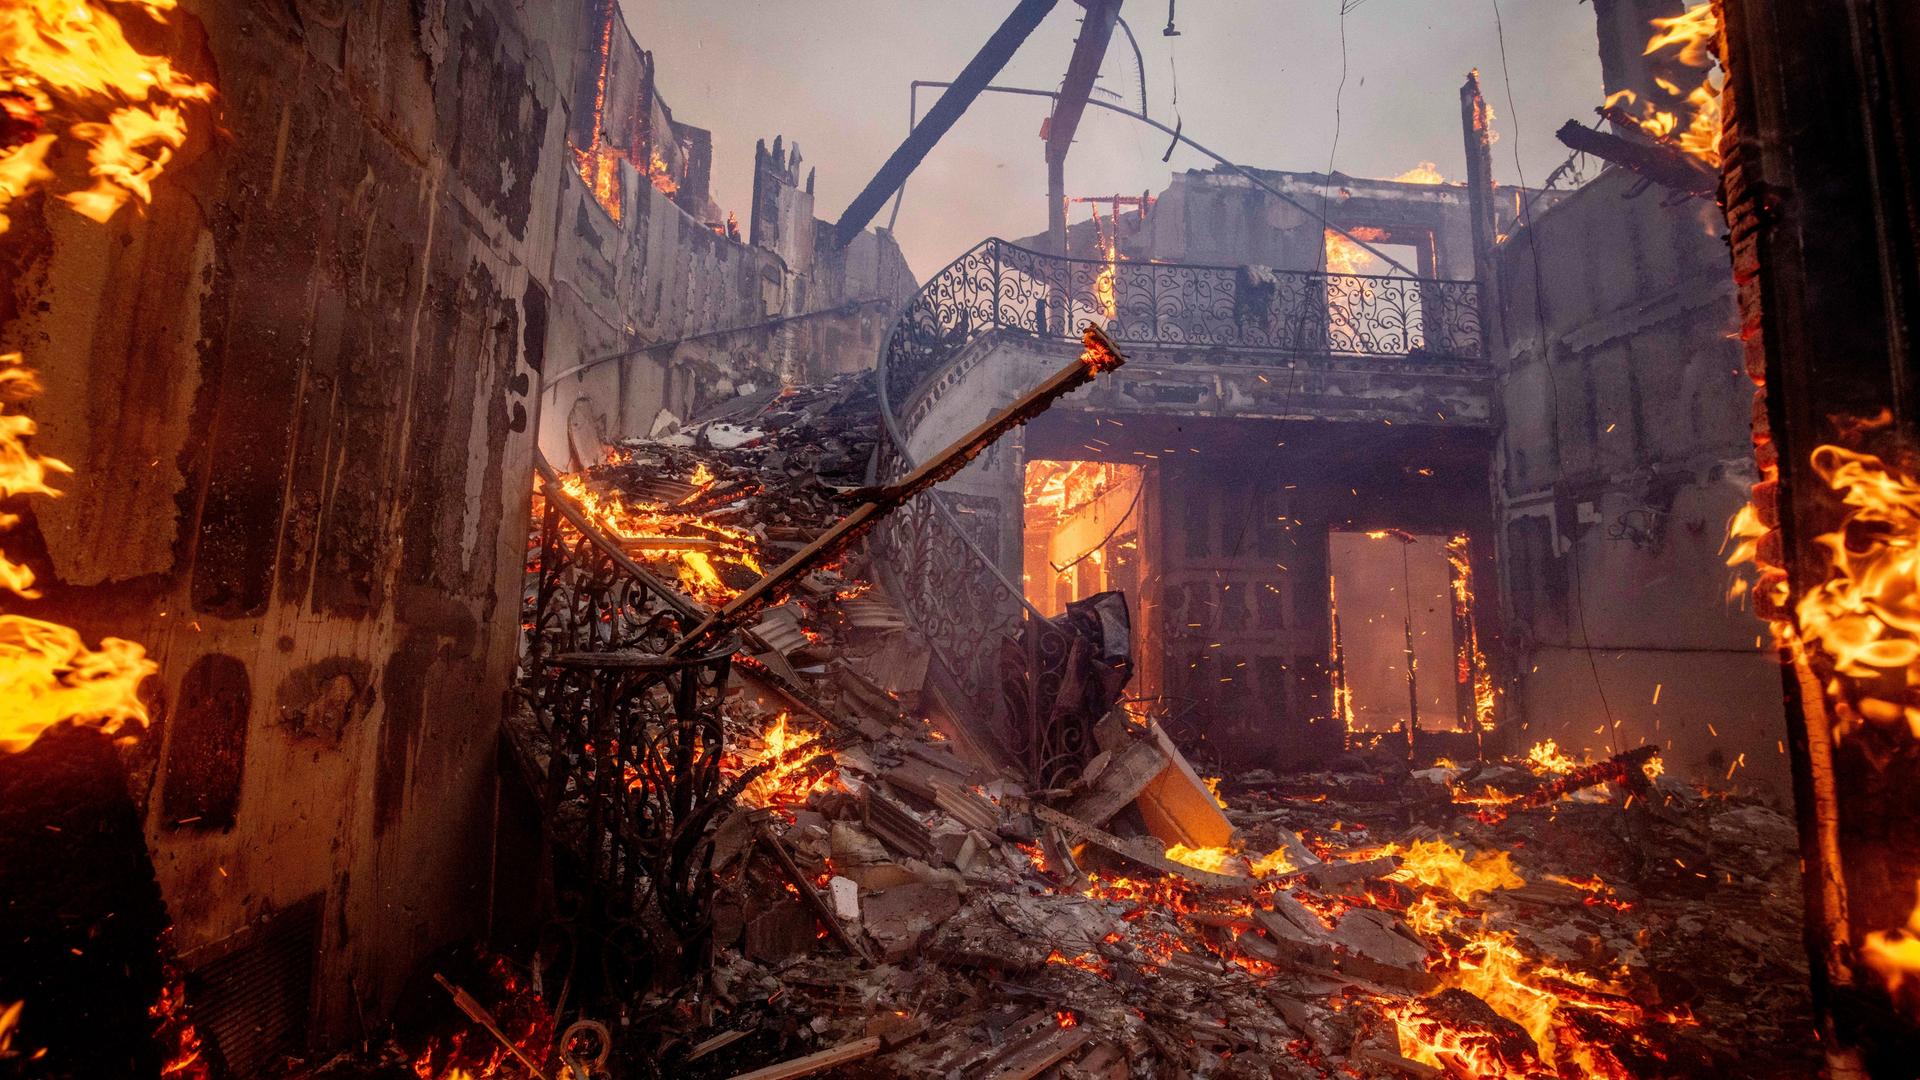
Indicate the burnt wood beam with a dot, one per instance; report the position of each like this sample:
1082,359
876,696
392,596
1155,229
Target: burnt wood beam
1819,196
1098,354
993,56
1089,49
1663,165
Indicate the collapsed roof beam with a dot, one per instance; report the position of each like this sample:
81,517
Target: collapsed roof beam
965,87
1096,30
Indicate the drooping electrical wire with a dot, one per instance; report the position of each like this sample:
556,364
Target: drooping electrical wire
1553,382
1320,260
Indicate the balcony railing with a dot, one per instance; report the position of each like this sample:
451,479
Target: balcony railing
937,567
1265,313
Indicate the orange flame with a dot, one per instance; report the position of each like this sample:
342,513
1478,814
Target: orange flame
70,66
1894,955
1693,33
1545,757
687,541
1424,173
73,67
794,772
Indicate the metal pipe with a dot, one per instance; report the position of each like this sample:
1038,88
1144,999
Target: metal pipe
1178,136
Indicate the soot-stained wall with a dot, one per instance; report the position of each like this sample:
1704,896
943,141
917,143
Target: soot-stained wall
1624,453
298,391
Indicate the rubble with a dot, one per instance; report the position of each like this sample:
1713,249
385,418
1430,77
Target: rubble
886,907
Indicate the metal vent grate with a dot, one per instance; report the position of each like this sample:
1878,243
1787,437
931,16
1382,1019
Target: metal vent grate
251,993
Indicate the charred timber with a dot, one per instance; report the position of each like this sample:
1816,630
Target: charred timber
1623,769
1098,354
1663,165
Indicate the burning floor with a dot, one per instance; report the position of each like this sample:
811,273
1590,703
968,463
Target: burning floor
835,889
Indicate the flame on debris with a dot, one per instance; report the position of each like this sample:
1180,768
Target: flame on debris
473,1053
1692,124
693,546
1545,757
1440,865
795,766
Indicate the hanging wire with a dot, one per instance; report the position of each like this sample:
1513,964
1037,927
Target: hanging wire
1320,260
1553,382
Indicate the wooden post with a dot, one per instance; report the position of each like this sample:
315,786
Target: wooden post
1819,204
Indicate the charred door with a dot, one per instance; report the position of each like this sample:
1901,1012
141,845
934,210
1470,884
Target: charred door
1242,618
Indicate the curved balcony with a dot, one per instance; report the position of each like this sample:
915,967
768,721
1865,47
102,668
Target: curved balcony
934,554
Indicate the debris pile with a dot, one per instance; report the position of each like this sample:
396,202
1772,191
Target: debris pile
883,905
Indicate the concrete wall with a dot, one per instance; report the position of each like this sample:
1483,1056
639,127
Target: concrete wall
299,391
639,288
1220,218
1621,461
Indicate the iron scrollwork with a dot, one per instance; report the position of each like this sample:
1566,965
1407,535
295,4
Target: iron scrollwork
631,738
945,579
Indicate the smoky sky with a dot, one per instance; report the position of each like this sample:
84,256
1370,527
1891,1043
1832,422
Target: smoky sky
1258,81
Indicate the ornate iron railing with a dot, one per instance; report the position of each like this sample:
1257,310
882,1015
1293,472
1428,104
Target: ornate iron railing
1000,286
630,739
940,570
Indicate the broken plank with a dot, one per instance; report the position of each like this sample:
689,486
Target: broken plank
1125,777
821,907
1038,1055
816,1062
1178,807
1139,851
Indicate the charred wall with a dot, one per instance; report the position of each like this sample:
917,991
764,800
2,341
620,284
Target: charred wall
1624,454
299,392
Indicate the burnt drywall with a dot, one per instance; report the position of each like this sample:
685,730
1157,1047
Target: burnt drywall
1624,453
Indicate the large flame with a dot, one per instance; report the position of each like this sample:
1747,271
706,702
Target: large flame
1864,615
1692,35
694,547
68,66
796,766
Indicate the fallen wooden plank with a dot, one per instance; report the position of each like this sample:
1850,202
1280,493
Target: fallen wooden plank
813,1063
821,907
1134,767
1039,1055
1339,873
1178,807
708,1046
1139,851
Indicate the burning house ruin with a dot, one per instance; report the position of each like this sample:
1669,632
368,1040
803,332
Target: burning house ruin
478,605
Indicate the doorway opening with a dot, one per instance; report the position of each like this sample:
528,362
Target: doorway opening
1082,533
1405,662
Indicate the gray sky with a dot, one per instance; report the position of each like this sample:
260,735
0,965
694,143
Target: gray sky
1256,80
